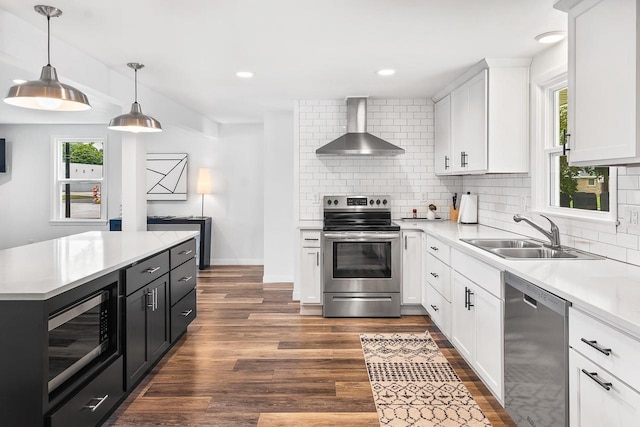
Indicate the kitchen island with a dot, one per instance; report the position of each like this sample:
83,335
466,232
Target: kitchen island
83,318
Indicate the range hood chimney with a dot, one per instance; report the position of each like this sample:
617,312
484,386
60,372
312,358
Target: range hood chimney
357,142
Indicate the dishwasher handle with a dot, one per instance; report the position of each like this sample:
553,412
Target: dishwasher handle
535,296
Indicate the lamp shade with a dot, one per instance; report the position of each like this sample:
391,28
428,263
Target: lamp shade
135,121
203,186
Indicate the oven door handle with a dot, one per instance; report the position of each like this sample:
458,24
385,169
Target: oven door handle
358,237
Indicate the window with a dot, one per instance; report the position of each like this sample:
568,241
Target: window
79,186
586,192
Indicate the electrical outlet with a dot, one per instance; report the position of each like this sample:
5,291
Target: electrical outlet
316,198
634,217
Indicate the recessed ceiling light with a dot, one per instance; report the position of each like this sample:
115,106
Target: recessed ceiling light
551,37
244,74
386,72
19,81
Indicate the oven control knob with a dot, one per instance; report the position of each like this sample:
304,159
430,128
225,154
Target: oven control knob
335,202
328,202
384,202
378,202
371,202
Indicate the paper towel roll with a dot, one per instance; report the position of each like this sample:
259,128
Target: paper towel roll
468,209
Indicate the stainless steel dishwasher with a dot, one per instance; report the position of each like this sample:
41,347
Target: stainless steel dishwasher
536,355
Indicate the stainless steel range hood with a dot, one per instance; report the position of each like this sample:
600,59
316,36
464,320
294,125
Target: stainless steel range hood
357,142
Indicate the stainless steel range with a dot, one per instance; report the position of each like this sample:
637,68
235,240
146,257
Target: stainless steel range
361,249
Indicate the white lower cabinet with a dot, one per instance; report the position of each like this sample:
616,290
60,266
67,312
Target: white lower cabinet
310,268
412,267
439,309
603,376
597,398
477,319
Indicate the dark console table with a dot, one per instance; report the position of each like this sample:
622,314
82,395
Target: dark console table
205,232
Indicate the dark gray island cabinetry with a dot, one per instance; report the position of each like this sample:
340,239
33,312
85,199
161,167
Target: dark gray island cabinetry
77,334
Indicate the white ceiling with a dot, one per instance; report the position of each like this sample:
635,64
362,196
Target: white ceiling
296,48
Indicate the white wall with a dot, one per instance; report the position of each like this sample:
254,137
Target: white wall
279,224
408,123
25,190
236,205
502,196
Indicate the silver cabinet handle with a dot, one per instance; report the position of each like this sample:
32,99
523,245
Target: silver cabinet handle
149,304
434,275
155,299
435,248
405,242
318,259
446,162
185,252
469,305
315,240
185,279
186,313
594,344
100,402
594,376
435,308
152,270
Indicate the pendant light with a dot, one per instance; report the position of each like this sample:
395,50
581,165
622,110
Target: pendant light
135,121
47,93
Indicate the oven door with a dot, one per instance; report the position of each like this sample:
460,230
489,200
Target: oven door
361,261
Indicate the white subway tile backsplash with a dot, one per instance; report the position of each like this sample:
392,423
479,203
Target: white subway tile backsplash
407,123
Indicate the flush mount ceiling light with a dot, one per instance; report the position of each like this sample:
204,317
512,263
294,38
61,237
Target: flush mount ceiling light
244,74
386,72
551,37
135,121
47,93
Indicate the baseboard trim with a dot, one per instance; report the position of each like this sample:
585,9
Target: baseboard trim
246,261
310,310
413,310
274,278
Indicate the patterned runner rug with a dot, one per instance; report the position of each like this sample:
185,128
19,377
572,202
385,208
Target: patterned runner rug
414,385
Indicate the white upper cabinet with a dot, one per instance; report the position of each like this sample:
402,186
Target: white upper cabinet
603,82
481,120
443,136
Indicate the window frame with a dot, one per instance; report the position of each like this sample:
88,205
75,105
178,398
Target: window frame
545,133
56,203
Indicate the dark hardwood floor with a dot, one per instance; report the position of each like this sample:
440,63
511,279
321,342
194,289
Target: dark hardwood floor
250,359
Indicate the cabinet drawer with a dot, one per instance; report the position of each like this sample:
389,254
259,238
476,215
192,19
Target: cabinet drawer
310,239
477,271
591,404
92,403
182,314
439,276
183,280
439,310
146,271
623,350
438,249
183,252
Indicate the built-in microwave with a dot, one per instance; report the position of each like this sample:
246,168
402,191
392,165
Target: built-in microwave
82,335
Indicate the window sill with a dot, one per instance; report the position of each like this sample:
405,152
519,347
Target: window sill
607,225
78,222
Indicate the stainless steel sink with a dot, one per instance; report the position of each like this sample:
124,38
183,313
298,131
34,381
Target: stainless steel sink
532,253
527,249
503,243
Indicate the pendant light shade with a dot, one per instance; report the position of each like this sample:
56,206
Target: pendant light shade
48,93
134,121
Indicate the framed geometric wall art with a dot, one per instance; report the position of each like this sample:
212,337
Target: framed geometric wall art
166,176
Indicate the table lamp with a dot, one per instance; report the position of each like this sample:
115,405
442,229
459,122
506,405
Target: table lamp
203,186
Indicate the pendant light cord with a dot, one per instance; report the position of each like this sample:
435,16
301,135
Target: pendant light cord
48,40
136,84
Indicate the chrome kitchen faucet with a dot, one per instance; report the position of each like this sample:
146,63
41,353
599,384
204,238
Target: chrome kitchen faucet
553,235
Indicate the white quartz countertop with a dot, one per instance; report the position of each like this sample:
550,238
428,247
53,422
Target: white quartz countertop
43,270
608,289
